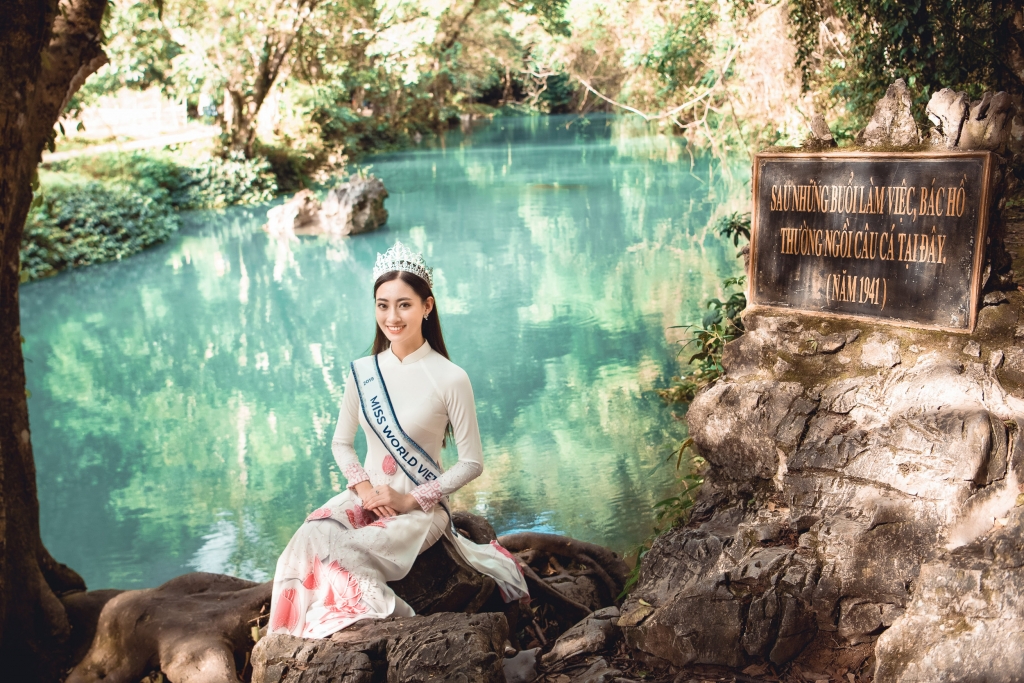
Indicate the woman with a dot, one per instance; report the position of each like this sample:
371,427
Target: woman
409,399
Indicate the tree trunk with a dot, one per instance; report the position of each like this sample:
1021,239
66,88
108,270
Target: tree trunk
45,55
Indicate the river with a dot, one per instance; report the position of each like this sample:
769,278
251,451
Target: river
183,401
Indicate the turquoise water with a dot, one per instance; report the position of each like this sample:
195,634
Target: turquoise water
183,401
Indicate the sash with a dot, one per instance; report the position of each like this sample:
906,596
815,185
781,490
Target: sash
380,414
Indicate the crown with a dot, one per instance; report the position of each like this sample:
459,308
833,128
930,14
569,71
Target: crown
400,257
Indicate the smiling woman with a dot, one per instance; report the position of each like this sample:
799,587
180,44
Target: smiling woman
335,569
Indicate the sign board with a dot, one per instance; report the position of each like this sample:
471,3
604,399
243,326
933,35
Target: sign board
896,237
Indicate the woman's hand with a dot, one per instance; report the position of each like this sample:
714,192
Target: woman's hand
386,501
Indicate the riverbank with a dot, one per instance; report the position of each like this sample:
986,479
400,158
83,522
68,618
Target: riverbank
105,207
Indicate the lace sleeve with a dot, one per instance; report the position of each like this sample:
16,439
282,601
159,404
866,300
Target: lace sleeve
459,400
343,443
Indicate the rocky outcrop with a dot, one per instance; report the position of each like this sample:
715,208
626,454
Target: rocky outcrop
863,480
351,208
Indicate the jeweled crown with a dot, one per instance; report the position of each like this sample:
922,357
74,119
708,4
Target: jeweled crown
400,257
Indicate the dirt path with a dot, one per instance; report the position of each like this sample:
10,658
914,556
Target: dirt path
191,134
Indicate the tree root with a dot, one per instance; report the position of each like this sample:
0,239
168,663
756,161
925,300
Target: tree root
195,628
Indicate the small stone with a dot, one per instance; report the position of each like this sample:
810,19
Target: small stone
781,367
914,348
995,361
1019,332
880,352
994,299
973,348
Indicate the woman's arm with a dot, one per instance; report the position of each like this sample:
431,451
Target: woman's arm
458,398
343,443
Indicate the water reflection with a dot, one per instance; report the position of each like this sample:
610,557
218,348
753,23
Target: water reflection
183,400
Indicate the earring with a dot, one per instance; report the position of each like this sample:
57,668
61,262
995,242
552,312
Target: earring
426,316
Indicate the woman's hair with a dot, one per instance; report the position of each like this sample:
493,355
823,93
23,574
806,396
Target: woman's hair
431,326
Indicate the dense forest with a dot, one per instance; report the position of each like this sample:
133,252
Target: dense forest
312,81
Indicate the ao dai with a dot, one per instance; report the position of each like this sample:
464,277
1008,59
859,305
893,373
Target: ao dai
335,569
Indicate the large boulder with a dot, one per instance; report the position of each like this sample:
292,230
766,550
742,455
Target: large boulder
837,470
461,648
356,206
351,208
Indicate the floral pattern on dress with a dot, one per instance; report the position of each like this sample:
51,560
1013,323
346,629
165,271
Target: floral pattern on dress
286,614
389,465
321,513
359,517
343,593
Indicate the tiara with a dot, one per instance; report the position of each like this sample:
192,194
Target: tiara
400,257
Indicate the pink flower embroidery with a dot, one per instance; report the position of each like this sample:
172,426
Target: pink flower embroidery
343,594
358,517
389,466
286,613
506,553
322,513
312,580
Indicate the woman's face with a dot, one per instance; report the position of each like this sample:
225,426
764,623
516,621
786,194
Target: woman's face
400,312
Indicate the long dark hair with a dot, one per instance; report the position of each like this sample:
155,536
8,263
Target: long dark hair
431,326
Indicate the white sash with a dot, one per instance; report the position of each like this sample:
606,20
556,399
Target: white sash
421,469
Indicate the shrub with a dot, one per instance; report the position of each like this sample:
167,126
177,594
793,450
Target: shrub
221,182
78,225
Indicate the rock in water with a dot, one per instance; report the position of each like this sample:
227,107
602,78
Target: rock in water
301,212
465,648
356,207
892,124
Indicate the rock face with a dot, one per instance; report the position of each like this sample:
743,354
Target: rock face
863,484
354,207
461,648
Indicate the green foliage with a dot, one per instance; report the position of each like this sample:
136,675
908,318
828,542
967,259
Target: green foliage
78,225
681,52
167,178
931,44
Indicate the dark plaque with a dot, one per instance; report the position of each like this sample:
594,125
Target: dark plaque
890,236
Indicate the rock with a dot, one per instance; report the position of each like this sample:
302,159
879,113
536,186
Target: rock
821,136
994,299
989,123
892,124
995,360
522,668
593,634
194,628
966,621
442,647
826,493
880,352
356,206
948,111
301,212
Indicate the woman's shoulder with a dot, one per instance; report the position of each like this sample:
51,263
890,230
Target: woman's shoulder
445,372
